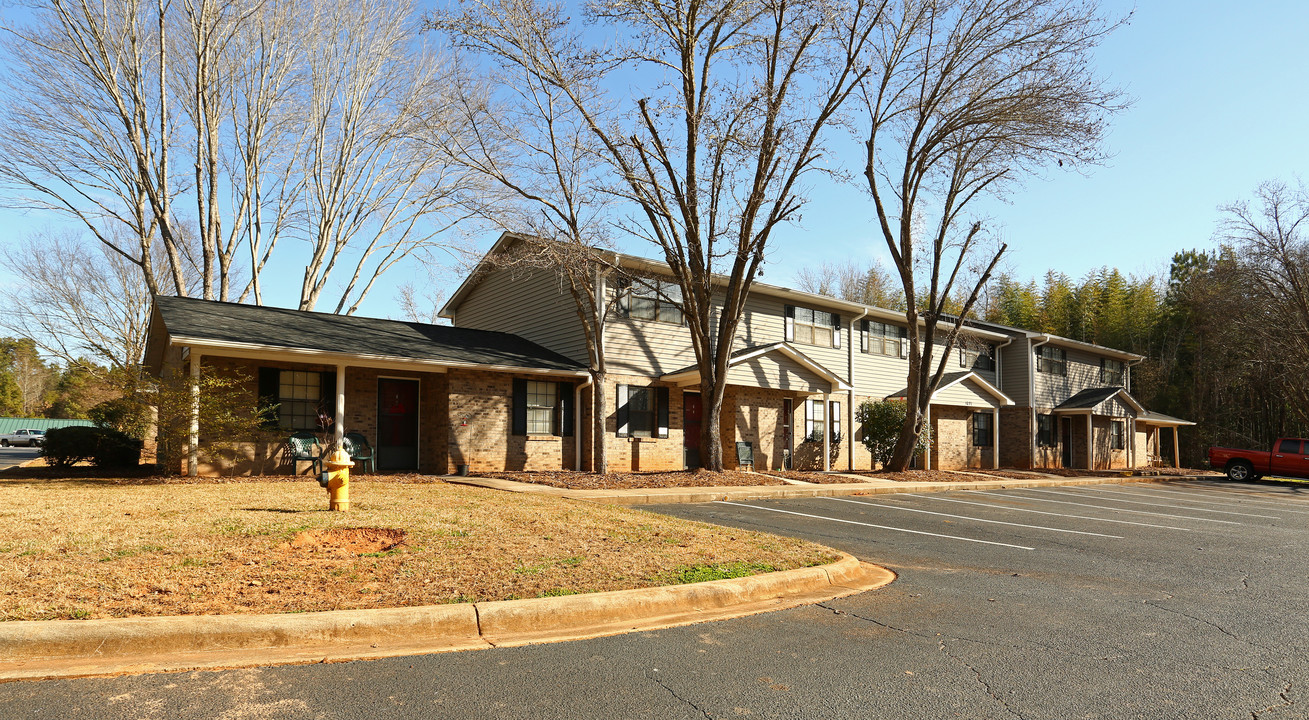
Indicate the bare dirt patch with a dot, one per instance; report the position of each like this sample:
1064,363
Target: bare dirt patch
105,547
569,480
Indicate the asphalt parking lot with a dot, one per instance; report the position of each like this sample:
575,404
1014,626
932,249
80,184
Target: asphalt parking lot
1157,601
11,456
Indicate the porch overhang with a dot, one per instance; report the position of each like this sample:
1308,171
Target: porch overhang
688,376
1091,401
1154,418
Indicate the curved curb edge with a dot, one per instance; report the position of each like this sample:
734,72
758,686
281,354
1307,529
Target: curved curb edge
49,649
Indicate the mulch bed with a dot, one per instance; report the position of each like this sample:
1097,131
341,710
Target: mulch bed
570,480
919,476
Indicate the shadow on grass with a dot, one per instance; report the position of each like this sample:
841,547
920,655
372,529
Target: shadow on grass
284,511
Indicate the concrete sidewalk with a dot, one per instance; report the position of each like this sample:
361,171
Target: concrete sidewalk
859,485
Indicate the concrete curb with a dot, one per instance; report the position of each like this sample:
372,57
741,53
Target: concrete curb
70,648
657,496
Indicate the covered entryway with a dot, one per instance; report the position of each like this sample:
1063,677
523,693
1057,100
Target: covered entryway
964,419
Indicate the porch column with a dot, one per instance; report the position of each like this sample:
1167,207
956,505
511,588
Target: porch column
827,433
193,436
1090,443
995,439
340,405
1177,451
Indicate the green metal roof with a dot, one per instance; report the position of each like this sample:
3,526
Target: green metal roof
11,425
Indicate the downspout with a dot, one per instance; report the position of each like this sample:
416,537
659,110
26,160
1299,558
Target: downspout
999,385
1031,400
855,336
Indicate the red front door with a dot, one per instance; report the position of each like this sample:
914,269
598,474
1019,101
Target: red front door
397,424
692,411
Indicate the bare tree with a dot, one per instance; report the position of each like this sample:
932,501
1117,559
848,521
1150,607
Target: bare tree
964,99
711,155
1273,255
872,285
77,301
87,126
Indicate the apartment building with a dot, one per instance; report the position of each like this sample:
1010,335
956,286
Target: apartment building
507,388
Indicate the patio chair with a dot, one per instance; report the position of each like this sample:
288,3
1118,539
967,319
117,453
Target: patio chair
304,447
360,451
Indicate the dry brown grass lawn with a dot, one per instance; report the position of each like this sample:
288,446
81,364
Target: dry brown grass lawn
98,548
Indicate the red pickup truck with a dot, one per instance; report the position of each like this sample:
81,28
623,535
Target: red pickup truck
1288,458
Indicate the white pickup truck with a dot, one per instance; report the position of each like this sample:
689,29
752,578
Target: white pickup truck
23,438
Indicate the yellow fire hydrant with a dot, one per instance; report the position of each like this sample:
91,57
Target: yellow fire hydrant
338,466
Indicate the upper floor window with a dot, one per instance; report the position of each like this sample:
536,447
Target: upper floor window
882,338
649,299
1111,372
977,358
813,327
1051,360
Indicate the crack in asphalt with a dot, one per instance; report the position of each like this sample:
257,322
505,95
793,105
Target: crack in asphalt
1286,702
1210,623
980,681
651,675
935,636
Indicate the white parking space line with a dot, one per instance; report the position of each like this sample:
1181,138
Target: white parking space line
1176,507
1042,512
1102,507
1245,498
975,519
879,527
1230,491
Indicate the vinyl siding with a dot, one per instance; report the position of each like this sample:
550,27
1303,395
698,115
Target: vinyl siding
764,323
777,371
965,394
646,347
881,375
1083,373
531,303
1015,361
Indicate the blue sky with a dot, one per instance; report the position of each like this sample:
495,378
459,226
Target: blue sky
1220,106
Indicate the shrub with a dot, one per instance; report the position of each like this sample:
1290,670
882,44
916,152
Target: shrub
882,421
127,414
104,447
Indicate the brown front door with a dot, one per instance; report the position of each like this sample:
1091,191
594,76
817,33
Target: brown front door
397,425
692,411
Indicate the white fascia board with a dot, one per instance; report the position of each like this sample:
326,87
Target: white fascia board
693,375
256,351
812,366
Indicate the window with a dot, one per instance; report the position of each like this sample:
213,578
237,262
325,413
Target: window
1117,435
1045,430
1051,360
1289,447
1111,372
816,420
642,411
977,358
812,327
882,338
299,394
542,398
983,422
542,408
658,300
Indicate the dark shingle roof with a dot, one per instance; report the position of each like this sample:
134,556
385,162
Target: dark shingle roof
350,335
1088,398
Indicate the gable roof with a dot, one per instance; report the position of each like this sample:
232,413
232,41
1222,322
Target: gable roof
692,372
1091,398
210,323
954,378
1158,418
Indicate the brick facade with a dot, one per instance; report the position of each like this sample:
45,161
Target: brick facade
480,430
952,440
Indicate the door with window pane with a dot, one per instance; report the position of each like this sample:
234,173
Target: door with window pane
397,424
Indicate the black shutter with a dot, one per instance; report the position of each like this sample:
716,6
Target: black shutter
270,384
518,425
836,331
566,409
327,397
863,336
661,411
621,400
788,329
